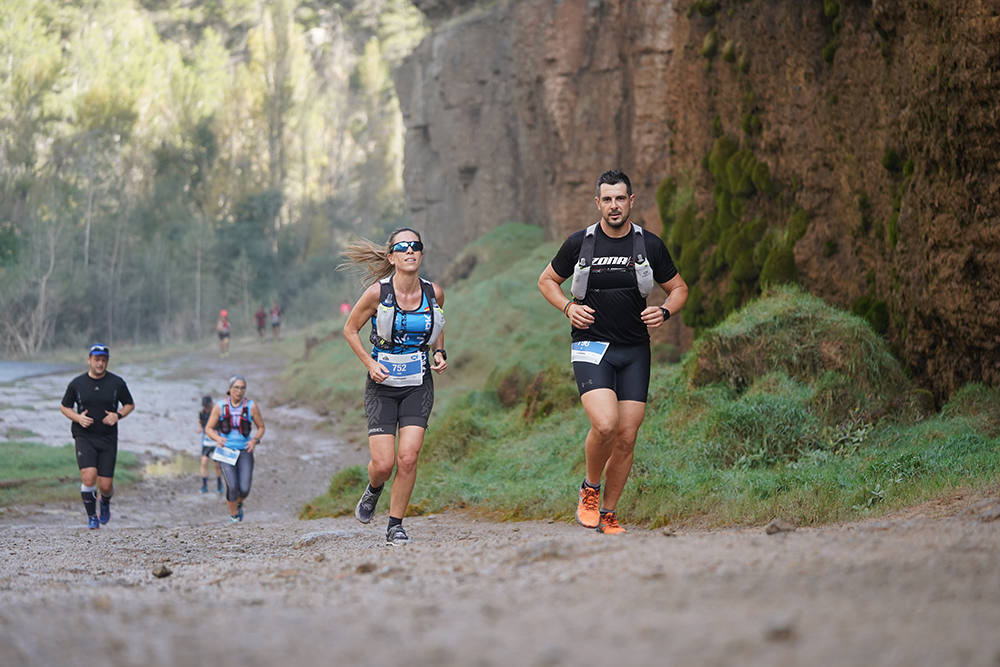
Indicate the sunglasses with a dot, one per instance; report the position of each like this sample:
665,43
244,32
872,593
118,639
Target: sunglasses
401,246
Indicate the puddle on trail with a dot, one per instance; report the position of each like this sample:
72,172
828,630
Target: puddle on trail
177,466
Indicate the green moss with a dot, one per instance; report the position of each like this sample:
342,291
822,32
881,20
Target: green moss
744,270
798,223
729,51
738,169
760,176
710,44
751,124
723,148
706,8
865,209
830,50
664,197
743,63
716,126
831,9
892,229
779,267
892,161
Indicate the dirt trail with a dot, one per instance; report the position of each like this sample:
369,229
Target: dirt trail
919,589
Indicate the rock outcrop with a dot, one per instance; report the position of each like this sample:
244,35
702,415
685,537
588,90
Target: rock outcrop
877,119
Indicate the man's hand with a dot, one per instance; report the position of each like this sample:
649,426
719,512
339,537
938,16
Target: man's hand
652,316
580,316
84,420
110,418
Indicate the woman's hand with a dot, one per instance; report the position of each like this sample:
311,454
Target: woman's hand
377,372
252,444
438,362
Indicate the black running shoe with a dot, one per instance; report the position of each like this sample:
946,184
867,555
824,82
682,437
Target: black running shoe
366,506
396,535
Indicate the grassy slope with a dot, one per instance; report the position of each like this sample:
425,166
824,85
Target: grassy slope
788,408
35,473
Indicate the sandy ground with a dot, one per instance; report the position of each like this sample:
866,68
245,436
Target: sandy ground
920,588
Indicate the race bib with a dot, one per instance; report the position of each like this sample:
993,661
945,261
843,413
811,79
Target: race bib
588,351
226,455
405,370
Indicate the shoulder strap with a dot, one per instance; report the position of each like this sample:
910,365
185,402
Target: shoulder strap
437,315
643,271
385,315
581,271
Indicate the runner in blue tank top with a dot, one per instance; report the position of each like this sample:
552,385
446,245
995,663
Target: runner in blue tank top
230,425
406,319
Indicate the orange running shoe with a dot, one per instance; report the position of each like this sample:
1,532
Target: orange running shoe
609,524
588,512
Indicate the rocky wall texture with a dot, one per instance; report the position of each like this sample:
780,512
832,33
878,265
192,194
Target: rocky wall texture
878,121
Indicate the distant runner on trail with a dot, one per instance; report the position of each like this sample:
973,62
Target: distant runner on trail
229,425
261,317
223,328
92,403
207,447
407,344
614,264
276,320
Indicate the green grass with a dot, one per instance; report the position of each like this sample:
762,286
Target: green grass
787,408
35,473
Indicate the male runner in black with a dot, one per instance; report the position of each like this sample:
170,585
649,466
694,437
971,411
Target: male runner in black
610,352
91,403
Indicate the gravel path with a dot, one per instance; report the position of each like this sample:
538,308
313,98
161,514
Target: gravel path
921,588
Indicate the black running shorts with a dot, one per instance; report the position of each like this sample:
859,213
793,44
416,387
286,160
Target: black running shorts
207,451
97,453
389,407
624,368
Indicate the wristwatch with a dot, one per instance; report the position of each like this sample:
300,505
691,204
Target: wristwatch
666,313
444,355
119,414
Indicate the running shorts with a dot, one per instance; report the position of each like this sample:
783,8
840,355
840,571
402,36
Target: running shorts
389,407
97,453
623,369
207,450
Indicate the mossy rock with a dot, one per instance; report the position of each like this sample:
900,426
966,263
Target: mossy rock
553,390
793,332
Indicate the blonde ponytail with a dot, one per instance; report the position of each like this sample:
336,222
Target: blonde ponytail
372,257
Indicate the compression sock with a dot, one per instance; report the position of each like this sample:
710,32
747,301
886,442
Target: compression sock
393,521
596,487
89,496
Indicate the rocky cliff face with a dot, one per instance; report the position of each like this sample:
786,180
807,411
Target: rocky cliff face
877,121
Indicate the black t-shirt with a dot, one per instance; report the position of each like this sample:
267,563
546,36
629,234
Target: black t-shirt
612,290
96,396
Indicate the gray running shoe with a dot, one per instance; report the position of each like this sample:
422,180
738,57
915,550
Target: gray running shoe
396,535
366,506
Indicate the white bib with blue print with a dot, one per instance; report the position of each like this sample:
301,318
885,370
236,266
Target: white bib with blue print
405,370
588,351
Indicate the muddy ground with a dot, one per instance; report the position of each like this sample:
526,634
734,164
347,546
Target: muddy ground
919,588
